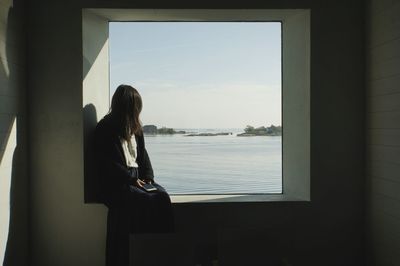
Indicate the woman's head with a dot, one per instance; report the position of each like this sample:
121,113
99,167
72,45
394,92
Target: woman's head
126,105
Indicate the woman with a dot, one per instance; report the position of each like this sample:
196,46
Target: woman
124,168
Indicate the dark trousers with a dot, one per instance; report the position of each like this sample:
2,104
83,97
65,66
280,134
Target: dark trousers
138,212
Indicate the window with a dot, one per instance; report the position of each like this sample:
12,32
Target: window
212,101
292,166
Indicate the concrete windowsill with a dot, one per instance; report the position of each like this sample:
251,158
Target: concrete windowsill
178,199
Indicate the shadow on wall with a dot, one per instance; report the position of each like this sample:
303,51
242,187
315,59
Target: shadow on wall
13,152
92,188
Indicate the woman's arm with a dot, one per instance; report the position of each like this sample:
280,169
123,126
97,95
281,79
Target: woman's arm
145,168
113,172
148,169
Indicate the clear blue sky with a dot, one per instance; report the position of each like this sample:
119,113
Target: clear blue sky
200,74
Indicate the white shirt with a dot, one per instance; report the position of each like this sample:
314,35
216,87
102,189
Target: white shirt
130,151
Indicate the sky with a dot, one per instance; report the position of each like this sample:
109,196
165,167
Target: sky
200,74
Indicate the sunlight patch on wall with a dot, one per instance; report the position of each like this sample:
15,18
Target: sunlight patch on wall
96,78
5,183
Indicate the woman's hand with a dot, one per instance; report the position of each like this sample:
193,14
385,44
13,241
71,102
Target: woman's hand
139,183
149,181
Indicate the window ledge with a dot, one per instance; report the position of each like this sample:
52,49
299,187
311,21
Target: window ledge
178,199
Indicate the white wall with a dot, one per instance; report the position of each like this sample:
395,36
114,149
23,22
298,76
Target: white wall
66,231
13,175
383,132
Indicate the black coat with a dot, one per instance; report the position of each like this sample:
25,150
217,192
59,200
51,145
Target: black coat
111,164
130,209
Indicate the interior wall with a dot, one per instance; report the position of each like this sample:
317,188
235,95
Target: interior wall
383,132
13,145
327,230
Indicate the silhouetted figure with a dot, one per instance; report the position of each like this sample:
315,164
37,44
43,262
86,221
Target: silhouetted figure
124,167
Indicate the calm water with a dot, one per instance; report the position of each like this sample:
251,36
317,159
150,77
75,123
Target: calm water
216,164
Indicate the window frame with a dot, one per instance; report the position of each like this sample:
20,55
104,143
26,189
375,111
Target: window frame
295,83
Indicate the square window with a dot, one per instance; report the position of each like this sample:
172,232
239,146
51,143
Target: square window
211,93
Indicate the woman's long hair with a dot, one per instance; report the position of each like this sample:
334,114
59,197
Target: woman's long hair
126,105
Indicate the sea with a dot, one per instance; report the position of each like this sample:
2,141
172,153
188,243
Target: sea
225,164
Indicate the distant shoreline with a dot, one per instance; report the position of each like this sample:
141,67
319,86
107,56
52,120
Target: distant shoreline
249,131
208,134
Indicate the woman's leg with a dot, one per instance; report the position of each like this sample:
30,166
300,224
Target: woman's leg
117,242
152,210
123,219
162,217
